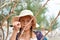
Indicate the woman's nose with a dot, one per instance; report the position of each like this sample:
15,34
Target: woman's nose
25,22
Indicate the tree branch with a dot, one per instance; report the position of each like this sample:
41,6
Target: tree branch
6,18
53,23
41,7
4,5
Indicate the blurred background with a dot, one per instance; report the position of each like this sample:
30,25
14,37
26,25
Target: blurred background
47,13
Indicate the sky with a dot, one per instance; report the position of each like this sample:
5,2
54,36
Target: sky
53,7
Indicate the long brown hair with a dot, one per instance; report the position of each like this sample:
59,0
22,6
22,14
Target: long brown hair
21,31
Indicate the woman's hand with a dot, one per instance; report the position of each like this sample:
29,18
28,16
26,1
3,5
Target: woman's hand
16,25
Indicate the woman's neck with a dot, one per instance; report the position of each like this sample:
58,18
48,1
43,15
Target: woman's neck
27,32
26,35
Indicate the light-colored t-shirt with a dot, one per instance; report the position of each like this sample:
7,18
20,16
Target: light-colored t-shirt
33,39
30,39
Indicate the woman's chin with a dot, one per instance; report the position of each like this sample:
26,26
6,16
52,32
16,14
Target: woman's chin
27,29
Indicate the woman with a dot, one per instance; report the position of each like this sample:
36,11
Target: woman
24,24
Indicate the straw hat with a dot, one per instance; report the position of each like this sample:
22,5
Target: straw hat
23,14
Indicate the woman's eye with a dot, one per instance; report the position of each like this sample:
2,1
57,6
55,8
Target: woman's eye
28,20
22,20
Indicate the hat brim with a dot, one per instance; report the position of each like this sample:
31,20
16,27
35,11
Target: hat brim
16,18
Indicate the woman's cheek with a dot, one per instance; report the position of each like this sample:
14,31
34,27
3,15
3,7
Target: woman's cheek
28,27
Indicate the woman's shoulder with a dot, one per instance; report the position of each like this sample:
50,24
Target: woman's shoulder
39,35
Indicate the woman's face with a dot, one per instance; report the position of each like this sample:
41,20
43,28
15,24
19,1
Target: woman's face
24,21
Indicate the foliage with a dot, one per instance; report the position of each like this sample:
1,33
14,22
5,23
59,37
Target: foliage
34,5
54,26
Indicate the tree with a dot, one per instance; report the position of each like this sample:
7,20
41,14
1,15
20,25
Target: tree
13,8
